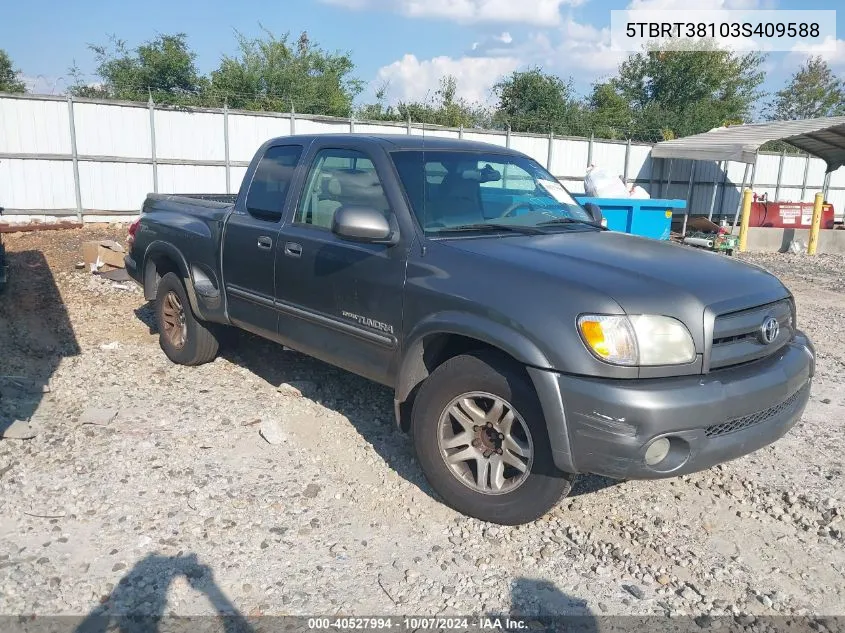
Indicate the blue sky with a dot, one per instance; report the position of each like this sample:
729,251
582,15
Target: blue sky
407,43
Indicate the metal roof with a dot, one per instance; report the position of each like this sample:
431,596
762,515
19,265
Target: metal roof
823,137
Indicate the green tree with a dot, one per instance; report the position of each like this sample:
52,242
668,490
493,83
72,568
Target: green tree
9,81
678,92
609,113
444,108
534,101
271,73
813,91
163,68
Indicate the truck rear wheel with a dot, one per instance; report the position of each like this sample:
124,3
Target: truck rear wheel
482,442
185,339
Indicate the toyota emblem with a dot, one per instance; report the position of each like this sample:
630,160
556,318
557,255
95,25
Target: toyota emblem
769,330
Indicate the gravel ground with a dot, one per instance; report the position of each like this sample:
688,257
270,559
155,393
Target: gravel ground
151,488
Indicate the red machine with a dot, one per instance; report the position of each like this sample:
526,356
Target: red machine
788,215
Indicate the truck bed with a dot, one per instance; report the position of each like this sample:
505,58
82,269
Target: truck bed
211,206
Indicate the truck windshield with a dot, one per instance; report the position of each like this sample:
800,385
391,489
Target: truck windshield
455,192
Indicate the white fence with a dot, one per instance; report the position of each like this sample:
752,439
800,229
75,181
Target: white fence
89,159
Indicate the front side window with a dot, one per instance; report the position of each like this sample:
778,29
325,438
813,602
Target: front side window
466,189
269,187
339,177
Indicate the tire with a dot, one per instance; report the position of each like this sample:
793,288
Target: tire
194,343
486,378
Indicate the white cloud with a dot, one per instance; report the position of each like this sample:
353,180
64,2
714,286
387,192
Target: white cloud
540,12
833,52
583,47
505,38
572,48
412,79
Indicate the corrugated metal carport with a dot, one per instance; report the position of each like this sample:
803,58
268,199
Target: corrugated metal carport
823,137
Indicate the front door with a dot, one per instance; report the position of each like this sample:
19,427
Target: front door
339,300
250,241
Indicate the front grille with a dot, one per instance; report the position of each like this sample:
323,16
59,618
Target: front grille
736,337
747,421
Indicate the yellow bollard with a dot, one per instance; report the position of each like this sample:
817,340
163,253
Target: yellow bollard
817,221
746,216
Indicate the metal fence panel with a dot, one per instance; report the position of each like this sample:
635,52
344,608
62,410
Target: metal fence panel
767,170
793,194
37,166
248,132
34,126
105,130
499,139
192,179
537,147
793,172
609,156
97,184
423,131
640,163
238,174
189,135
36,184
373,128
569,158
837,178
307,126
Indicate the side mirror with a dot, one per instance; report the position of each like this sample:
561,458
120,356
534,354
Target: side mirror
595,212
361,224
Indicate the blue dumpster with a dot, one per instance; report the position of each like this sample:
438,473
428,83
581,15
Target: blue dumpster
648,218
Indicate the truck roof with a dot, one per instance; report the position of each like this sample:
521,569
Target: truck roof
403,141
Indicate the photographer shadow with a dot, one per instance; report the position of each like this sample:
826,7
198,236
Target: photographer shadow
138,602
546,608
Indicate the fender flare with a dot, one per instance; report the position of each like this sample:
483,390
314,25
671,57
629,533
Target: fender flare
412,368
173,253
510,341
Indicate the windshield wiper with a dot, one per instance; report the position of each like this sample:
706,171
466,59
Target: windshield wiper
482,226
571,221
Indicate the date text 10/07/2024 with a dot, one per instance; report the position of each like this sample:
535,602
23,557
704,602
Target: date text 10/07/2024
418,623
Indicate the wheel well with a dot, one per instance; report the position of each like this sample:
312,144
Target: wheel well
158,265
437,349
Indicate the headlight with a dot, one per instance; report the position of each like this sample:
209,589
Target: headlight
642,339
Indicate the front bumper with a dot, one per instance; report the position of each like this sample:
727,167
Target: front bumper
709,419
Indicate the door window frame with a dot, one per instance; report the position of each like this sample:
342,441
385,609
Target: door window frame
244,210
308,168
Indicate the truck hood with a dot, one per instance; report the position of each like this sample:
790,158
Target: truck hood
642,275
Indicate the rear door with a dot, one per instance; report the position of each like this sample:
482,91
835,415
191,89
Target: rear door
338,300
250,241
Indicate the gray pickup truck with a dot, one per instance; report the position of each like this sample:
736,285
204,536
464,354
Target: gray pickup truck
525,343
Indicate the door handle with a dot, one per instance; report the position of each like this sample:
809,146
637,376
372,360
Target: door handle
292,249
265,242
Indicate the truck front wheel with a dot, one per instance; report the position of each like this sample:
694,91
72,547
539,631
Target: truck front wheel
482,442
185,339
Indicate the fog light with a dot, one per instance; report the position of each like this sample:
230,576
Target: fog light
657,451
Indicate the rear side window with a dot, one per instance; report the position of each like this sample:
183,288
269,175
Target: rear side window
270,184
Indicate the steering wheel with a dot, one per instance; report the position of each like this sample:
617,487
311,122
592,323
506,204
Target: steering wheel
507,213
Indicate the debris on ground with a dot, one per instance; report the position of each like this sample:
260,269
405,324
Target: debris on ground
271,431
108,253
